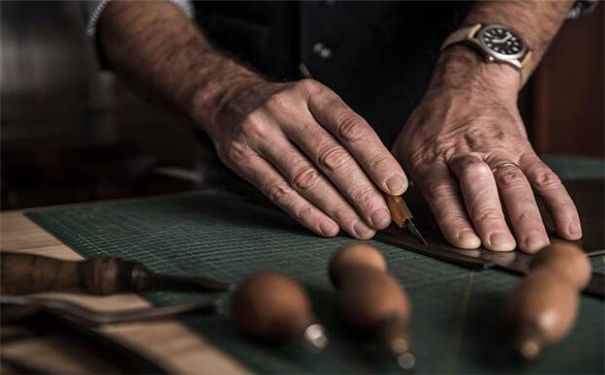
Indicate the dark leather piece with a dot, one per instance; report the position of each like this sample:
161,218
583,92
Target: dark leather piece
588,196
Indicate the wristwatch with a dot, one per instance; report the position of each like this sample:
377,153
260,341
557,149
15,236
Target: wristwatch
497,43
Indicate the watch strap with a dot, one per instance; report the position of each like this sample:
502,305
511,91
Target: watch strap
461,35
467,33
527,67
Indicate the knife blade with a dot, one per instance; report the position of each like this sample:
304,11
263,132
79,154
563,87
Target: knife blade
402,216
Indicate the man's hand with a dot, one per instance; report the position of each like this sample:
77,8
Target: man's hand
308,152
298,142
458,146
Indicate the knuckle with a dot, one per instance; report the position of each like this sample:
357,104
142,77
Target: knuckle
334,158
305,179
303,213
255,127
476,170
364,196
441,190
308,85
344,214
486,214
278,192
526,218
563,207
546,180
279,102
377,162
237,152
510,178
352,127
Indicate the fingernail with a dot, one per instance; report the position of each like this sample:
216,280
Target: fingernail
362,231
535,241
501,241
380,218
396,184
468,240
328,229
575,230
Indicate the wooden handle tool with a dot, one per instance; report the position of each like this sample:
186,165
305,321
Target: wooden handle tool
544,305
28,273
273,308
373,301
402,216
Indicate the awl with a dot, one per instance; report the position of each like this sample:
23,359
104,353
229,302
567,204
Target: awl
402,216
29,273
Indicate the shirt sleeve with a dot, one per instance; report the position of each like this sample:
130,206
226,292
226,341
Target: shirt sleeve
94,9
582,8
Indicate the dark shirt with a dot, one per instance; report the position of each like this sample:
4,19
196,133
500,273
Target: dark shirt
378,56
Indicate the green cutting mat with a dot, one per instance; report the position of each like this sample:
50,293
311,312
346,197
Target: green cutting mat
458,323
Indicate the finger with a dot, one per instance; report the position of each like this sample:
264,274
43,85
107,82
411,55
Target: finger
312,185
358,137
253,168
441,191
482,203
521,207
337,164
548,185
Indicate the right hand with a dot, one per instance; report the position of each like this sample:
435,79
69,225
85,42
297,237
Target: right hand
310,154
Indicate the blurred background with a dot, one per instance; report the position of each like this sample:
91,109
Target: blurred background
71,132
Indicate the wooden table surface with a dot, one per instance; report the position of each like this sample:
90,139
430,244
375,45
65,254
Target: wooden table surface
168,342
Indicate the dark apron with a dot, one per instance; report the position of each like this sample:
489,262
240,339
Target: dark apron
377,56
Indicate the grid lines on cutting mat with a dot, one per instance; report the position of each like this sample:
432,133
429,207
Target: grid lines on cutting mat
226,237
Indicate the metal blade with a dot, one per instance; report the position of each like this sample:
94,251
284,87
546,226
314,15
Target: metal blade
187,283
76,312
415,232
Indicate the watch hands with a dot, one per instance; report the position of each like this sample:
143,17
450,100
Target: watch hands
503,39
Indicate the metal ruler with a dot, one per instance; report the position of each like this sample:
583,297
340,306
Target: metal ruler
512,261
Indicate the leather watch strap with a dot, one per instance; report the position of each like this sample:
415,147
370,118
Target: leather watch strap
461,35
527,68
466,33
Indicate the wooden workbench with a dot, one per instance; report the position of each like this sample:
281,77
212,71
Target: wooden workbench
167,342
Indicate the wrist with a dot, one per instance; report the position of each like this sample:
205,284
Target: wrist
459,67
212,99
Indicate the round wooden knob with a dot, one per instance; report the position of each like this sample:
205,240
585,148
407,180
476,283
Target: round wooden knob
355,254
373,302
274,308
543,308
370,296
566,260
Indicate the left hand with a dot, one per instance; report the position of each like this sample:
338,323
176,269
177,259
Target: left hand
466,148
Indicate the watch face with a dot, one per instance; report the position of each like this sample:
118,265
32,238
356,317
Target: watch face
502,41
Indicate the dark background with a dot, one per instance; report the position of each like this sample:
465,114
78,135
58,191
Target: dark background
70,132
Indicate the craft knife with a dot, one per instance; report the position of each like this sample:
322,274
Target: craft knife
402,216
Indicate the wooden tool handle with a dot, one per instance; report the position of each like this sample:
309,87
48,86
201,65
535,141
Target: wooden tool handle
271,307
400,212
28,273
544,305
373,302
367,292
566,260
369,296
